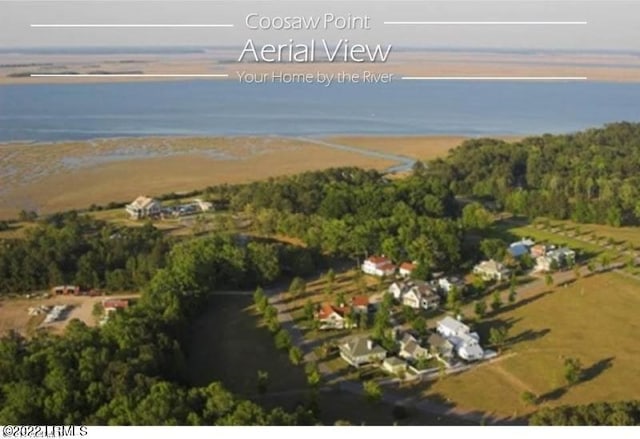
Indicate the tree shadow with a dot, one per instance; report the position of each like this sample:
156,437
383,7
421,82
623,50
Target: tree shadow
517,304
528,335
553,394
597,368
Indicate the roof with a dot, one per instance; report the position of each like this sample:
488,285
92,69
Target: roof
408,266
437,340
394,361
142,201
326,310
490,265
359,346
454,325
378,260
360,300
518,249
115,303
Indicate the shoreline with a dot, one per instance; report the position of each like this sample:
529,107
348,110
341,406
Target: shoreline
61,176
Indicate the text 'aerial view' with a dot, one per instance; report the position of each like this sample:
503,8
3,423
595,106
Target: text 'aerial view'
319,213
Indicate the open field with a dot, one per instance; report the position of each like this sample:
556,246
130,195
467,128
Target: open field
14,315
61,176
592,319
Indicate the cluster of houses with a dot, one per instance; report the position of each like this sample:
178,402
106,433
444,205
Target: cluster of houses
147,207
74,290
451,339
546,257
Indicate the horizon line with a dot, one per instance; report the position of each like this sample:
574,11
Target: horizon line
129,75
524,23
113,25
494,78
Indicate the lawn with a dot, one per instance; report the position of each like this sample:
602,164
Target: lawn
594,319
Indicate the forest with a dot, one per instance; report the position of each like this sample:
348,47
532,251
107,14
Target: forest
588,177
132,370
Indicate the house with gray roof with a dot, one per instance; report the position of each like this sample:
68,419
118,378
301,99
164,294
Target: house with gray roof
361,350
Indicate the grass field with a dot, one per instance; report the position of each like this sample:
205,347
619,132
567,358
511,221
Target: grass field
594,319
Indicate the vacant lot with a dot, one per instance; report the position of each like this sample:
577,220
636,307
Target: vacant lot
14,312
593,319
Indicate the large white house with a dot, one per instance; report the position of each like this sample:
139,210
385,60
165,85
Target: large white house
415,294
361,350
378,266
491,270
556,258
466,343
143,207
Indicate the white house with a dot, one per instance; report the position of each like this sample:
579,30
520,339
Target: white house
491,270
334,317
143,207
406,268
378,266
415,294
446,284
361,350
466,344
410,348
559,258
394,365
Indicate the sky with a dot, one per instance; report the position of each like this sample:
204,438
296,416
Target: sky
612,25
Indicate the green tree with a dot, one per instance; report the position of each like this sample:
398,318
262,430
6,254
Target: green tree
372,391
263,381
548,279
260,300
295,355
572,370
282,339
498,336
297,287
528,398
496,301
313,374
480,308
309,311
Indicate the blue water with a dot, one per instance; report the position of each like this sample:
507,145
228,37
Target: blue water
47,112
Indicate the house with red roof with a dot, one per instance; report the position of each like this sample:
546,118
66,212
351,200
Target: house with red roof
334,317
406,268
378,266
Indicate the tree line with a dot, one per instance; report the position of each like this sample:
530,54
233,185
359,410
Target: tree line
132,370
589,177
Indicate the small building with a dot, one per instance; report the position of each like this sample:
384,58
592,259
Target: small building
491,270
334,317
204,206
143,207
66,289
446,284
378,266
440,346
466,343
449,327
415,294
361,350
112,305
394,365
360,303
410,348
556,258
406,269
520,248
539,250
